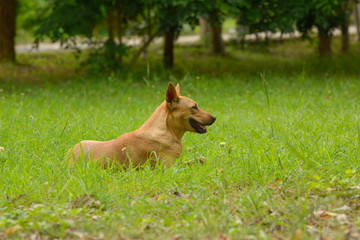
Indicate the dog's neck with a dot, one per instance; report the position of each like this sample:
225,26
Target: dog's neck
160,123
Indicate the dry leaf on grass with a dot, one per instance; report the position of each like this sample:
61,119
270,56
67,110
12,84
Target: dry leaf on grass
311,229
95,217
124,237
39,205
12,230
176,237
343,208
223,237
324,214
298,234
79,235
342,219
37,236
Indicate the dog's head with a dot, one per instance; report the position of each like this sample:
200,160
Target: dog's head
185,113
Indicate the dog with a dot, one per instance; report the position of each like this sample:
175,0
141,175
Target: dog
158,139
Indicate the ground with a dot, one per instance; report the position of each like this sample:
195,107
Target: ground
280,162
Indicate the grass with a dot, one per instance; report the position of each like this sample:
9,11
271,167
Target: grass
281,161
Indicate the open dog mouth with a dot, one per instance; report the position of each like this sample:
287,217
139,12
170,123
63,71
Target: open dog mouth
200,128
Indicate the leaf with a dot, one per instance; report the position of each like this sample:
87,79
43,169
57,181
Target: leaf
12,230
343,208
342,219
176,237
298,234
311,229
331,214
324,214
223,237
95,217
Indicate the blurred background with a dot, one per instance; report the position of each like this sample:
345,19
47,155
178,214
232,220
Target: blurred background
116,35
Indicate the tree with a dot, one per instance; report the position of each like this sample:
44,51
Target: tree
212,13
326,15
118,14
7,30
277,15
204,31
357,19
171,16
68,19
216,32
344,17
265,16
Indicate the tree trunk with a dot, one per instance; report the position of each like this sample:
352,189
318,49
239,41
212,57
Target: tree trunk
215,33
344,26
169,49
119,22
216,40
357,20
148,30
148,21
7,30
345,39
324,42
110,23
119,27
204,31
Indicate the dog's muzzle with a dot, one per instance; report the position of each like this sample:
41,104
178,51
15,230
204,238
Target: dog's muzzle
200,127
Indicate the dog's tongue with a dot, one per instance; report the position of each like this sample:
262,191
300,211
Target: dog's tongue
202,126
198,126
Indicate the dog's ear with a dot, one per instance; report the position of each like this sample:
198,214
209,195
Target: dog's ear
178,89
171,94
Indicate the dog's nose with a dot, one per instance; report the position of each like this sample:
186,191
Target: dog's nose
213,118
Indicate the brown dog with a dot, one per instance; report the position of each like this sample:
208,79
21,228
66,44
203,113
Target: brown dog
158,139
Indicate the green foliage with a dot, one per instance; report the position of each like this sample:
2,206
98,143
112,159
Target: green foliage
269,15
321,13
28,13
68,19
172,15
105,58
214,11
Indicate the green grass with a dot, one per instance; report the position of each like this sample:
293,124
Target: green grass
291,150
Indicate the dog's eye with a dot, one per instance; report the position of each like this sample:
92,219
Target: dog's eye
195,108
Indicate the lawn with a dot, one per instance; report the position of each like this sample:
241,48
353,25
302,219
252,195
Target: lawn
281,161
